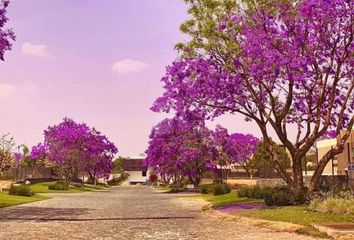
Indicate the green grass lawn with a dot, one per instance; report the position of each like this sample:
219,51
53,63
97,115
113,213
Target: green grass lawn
43,188
9,200
295,214
292,214
224,200
298,215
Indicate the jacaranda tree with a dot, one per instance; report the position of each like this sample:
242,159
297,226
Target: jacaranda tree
228,149
38,159
74,148
246,147
101,154
177,150
285,65
6,35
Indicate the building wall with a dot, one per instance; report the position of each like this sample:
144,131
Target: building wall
341,160
321,151
137,176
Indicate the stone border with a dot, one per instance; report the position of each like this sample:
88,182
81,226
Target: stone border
274,225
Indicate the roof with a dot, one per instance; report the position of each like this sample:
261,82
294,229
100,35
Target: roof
134,164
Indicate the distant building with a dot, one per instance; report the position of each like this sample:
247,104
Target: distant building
339,164
135,168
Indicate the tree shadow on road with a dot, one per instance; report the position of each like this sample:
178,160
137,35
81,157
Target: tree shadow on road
40,213
45,214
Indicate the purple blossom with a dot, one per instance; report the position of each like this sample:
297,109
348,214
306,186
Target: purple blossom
6,35
179,149
38,152
239,207
76,148
18,157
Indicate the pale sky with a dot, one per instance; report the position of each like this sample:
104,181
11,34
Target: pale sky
98,62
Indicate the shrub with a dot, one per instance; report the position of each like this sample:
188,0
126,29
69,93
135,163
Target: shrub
204,189
273,196
280,196
58,186
277,197
243,192
256,192
333,204
20,190
221,188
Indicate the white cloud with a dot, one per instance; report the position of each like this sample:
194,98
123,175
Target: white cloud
7,90
10,90
35,50
128,65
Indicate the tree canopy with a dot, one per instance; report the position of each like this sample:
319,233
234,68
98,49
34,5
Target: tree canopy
283,65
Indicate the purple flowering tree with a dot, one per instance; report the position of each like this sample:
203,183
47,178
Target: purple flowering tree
38,158
75,149
6,35
247,146
101,154
177,150
229,149
288,66
38,152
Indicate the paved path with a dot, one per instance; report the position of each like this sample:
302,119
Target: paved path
123,213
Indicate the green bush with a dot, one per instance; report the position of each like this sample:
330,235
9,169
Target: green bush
206,188
21,190
273,196
256,192
280,196
277,197
58,186
243,192
333,205
221,188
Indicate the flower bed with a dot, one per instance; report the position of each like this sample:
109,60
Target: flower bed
239,207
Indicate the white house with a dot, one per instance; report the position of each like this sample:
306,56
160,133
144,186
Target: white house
135,168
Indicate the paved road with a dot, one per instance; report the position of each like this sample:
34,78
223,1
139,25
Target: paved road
123,213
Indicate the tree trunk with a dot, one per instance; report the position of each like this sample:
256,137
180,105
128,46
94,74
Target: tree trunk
298,181
316,177
278,167
67,181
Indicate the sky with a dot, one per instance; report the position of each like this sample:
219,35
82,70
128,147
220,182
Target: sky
98,62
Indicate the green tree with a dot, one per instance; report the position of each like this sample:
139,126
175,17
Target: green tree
118,165
261,161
